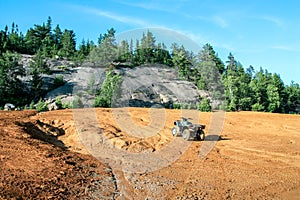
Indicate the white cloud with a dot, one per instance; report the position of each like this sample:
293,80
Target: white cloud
156,5
282,47
220,21
277,21
111,15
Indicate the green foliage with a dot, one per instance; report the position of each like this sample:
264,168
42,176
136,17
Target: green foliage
68,44
106,52
58,81
10,83
207,54
62,67
204,105
77,103
58,102
184,106
176,106
41,106
31,105
39,64
37,67
181,62
258,107
108,90
148,52
91,86
192,106
84,49
292,102
273,98
67,105
200,84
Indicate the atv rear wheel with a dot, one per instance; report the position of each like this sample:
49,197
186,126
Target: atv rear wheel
175,131
186,134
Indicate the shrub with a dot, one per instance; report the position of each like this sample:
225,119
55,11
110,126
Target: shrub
59,81
41,106
176,105
257,107
58,102
110,88
31,106
91,86
63,67
192,106
66,105
101,101
77,103
204,105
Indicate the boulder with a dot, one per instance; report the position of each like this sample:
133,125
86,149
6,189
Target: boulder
9,106
53,106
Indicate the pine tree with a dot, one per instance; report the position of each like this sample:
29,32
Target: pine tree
107,50
56,41
68,44
123,52
208,54
161,55
144,50
273,98
181,63
292,104
10,83
230,79
208,67
245,94
259,87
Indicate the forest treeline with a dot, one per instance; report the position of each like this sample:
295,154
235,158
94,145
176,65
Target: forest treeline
244,88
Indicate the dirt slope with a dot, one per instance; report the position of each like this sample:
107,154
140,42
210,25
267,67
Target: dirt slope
34,164
257,157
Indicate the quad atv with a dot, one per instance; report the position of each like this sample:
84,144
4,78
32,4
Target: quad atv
188,130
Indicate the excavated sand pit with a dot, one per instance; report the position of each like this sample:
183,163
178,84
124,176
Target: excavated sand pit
47,155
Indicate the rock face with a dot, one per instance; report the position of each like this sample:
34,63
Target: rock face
148,86
80,81
77,79
143,86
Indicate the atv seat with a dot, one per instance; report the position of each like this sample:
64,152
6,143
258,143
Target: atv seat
177,123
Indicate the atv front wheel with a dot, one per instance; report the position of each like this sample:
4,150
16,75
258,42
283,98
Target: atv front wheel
175,131
186,134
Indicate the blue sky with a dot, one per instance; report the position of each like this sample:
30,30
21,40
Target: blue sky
261,33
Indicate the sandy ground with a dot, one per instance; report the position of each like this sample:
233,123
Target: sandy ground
134,155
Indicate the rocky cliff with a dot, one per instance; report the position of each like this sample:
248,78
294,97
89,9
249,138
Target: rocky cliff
143,86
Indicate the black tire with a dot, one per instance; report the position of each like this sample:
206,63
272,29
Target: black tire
186,134
200,135
175,131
